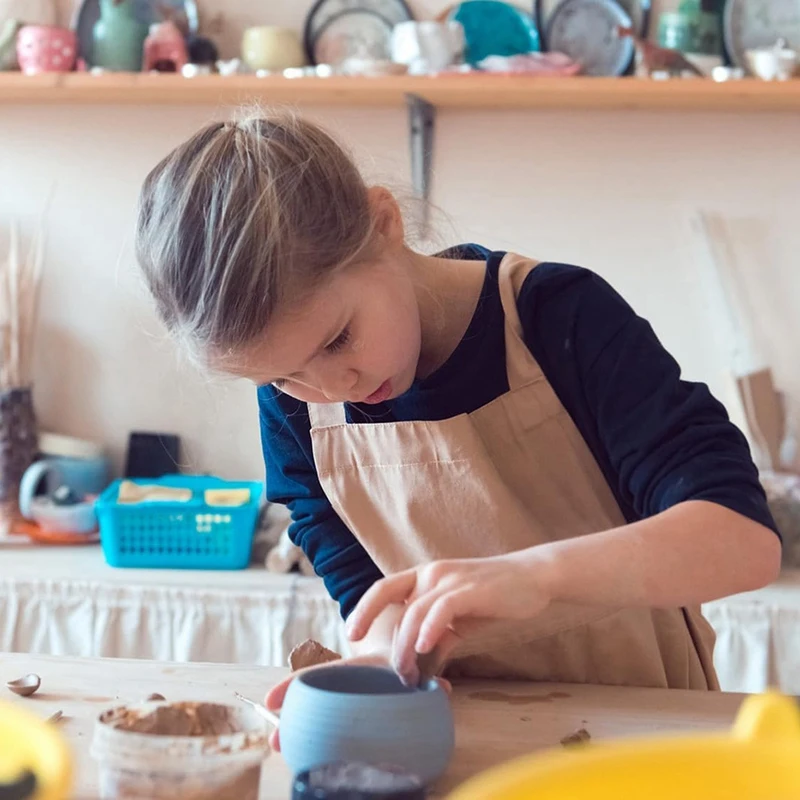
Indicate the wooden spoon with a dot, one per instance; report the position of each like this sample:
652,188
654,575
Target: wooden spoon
25,686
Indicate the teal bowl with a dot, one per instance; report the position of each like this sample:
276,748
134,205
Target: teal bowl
366,714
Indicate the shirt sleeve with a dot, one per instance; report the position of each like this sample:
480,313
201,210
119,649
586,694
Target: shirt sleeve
336,554
660,440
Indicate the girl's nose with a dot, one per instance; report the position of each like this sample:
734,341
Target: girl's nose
339,386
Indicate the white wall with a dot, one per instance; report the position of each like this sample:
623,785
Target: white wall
611,191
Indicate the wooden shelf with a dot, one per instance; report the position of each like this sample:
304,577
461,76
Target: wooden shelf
458,91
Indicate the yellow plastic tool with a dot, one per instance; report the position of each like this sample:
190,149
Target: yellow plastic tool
758,760
35,762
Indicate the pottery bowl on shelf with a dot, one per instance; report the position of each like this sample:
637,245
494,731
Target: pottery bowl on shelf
46,48
347,713
272,49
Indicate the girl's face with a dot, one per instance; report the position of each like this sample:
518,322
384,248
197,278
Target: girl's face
356,339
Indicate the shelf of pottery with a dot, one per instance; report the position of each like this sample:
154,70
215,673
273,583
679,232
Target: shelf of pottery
476,54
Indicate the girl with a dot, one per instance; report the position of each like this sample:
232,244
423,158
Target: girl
486,458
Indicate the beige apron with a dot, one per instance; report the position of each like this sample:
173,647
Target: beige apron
513,474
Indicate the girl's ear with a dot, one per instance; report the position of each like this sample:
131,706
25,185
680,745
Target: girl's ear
388,219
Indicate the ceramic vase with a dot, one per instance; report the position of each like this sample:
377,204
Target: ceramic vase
165,48
118,37
19,443
46,48
365,714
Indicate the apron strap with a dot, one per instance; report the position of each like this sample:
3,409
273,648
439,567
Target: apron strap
326,415
521,366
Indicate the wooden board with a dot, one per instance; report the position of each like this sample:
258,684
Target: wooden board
495,721
459,91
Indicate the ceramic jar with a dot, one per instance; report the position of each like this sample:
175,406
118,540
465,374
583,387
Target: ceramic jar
165,48
118,37
776,63
272,49
46,48
347,713
428,47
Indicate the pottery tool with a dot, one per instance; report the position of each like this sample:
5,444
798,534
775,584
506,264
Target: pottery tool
273,719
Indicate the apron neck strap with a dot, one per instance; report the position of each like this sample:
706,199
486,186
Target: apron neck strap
326,415
521,366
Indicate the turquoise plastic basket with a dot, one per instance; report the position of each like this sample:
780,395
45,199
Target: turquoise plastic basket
189,535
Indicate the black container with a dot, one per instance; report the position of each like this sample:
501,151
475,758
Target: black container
353,781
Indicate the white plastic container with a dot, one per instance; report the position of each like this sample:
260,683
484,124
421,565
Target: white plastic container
195,751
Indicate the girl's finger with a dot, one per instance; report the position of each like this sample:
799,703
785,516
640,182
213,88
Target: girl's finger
404,651
276,695
391,590
275,741
441,616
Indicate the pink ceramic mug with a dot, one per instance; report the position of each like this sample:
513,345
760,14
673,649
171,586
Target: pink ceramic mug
46,48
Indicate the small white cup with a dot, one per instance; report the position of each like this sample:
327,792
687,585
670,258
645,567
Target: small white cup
777,63
428,46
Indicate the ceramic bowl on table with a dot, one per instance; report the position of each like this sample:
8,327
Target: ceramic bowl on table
365,714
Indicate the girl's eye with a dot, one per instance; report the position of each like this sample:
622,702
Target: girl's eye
339,342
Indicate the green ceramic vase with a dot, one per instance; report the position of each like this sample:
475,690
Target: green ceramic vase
118,37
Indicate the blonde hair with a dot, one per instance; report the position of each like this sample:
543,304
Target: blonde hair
245,218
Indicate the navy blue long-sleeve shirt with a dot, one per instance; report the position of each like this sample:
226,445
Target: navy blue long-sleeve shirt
659,440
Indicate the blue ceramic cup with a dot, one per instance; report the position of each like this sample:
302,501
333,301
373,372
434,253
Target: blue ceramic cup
365,714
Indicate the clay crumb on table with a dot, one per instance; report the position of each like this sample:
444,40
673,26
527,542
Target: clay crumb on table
581,736
311,654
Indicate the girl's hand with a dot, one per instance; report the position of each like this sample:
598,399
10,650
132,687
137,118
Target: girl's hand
276,695
446,600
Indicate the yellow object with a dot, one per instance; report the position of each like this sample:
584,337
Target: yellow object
758,760
35,763
227,497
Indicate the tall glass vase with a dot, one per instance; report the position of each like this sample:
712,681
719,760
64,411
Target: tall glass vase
19,443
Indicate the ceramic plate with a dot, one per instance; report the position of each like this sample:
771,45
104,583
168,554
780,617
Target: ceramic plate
758,23
638,11
492,28
146,10
359,34
346,17
586,31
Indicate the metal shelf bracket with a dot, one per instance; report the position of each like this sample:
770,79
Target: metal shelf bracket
421,119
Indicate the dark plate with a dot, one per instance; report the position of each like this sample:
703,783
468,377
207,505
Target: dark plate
638,10
748,24
585,30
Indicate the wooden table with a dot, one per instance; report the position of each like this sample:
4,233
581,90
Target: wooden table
495,721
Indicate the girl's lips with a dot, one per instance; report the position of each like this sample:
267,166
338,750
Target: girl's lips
382,393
